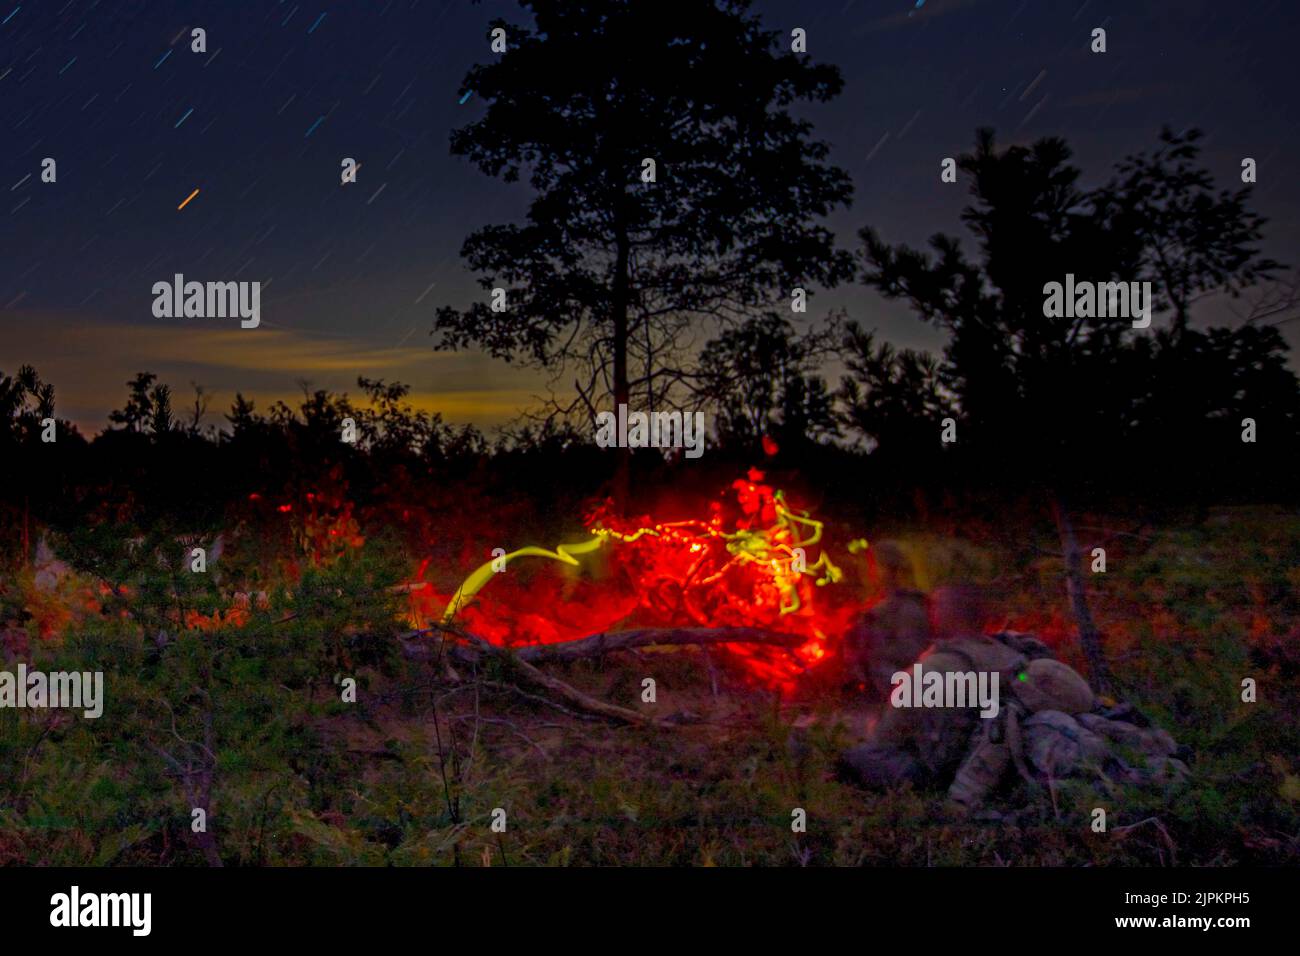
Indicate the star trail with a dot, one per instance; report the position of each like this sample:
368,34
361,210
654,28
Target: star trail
281,92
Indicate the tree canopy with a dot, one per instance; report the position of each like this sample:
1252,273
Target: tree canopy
612,277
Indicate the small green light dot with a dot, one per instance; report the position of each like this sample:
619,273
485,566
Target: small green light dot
1022,676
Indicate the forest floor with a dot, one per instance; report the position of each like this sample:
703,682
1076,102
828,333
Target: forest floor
419,769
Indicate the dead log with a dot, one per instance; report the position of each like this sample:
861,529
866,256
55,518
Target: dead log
598,644
585,701
545,681
473,648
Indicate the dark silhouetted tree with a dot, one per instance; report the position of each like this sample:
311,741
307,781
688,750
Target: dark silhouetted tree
138,411
760,378
615,275
1191,240
24,402
161,418
894,397
1062,399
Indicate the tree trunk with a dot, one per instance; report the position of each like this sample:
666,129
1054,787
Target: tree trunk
622,393
1089,637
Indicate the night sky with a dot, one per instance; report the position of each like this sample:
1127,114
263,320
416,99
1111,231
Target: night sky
352,275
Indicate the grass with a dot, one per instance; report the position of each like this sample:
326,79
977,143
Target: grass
414,772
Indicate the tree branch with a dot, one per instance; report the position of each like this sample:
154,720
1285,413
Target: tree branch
475,648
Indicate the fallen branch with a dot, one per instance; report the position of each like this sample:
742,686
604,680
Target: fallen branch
546,681
473,649
598,644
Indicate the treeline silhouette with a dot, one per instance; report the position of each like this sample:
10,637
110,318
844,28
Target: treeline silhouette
682,283
1154,425
1039,410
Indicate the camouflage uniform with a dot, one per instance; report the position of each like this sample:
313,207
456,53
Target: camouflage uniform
886,639
926,745
1047,725
1023,727
892,634
1051,729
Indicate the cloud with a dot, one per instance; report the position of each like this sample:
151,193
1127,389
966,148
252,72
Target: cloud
89,361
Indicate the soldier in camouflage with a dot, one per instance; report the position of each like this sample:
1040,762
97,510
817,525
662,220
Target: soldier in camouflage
893,633
1049,724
